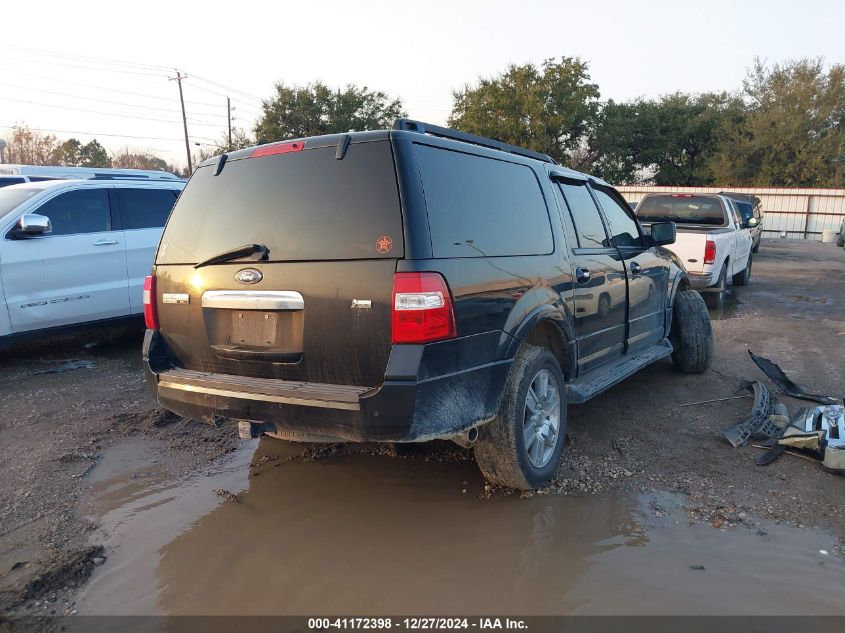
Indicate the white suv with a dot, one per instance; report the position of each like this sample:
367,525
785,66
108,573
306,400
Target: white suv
77,251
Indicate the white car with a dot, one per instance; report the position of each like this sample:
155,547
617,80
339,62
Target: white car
77,251
713,241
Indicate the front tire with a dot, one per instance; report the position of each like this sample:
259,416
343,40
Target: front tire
521,447
742,279
691,335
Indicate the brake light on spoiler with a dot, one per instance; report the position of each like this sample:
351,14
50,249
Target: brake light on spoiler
422,310
278,148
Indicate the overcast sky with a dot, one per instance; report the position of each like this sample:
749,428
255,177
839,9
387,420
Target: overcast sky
54,68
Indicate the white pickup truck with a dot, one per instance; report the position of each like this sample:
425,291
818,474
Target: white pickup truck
713,242
76,251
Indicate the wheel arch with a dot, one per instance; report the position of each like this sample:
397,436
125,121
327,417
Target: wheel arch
548,328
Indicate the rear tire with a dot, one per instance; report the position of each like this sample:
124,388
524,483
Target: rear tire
756,247
517,449
716,300
742,279
692,334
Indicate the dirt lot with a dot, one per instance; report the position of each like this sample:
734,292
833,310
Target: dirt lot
87,460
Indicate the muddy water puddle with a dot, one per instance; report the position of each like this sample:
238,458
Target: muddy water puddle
365,534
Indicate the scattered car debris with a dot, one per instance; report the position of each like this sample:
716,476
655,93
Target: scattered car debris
691,404
768,417
819,432
69,366
774,372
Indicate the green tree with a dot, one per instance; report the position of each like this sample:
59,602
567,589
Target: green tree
793,133
68,153
668,141
547,108
74,154
315,109
92,154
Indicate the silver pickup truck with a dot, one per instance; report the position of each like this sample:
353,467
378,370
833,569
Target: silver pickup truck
713,242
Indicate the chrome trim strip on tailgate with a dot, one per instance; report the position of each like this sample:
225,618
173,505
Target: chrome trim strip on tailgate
264,389
253,299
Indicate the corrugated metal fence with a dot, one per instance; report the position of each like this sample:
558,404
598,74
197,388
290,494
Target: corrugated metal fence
802,213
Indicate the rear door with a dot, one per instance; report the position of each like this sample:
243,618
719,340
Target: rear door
600,294
143,213
744,240
76,273
317,309
647,272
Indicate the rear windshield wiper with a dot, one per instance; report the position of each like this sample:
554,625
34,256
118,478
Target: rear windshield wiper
257,252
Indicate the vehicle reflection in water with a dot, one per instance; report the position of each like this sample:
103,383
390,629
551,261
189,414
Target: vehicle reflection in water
363,534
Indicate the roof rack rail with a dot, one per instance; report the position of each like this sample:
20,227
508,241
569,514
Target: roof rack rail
445,132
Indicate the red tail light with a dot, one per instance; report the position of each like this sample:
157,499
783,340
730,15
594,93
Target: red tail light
682,195
278,148
422,308
710,252
150,312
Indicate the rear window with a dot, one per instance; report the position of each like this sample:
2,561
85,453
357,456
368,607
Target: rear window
301,205
145,208
482,207
682,210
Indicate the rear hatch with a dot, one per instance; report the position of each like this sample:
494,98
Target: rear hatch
694,216
317,307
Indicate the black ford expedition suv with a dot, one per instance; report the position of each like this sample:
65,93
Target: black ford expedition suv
410,284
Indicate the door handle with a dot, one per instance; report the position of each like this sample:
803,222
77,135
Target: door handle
636,269
582,275
105,243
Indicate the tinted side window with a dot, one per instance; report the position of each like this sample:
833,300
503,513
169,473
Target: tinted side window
145,208
482,207
622,225
585,215
6,181
82,211
746,210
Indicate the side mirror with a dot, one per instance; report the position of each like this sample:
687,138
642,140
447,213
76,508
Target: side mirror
751,222
663,233
32,224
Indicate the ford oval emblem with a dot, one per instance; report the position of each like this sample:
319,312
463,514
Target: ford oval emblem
248,276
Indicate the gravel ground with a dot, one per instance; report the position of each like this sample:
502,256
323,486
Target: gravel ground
637,436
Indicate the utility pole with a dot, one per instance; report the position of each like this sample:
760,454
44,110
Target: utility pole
178,79
229,120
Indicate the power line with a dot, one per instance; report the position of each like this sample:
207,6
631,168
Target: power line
228,89
109,134
123,71
84,58
114,114
120,103
41,129
103,89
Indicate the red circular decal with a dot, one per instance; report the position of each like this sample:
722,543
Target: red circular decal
384,244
